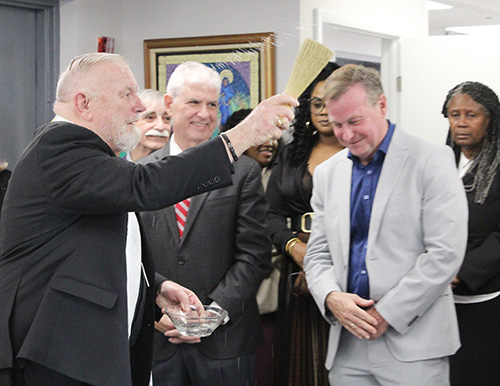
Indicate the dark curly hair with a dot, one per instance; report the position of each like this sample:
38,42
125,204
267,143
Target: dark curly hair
305,135
234,119
486,162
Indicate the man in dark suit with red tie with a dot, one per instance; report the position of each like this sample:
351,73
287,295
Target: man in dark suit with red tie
220,249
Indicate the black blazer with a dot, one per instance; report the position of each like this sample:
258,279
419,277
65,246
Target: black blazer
223,256
4,181
63,268
480,271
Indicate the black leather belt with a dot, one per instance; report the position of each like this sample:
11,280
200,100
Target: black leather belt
302,223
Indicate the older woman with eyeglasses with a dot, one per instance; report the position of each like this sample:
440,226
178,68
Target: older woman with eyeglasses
302,332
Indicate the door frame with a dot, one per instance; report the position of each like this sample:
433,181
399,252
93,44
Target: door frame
390,65
47,53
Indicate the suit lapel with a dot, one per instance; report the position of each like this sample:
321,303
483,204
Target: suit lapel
161,153
468,178
171,221
394,162
344,204
194,209
169,213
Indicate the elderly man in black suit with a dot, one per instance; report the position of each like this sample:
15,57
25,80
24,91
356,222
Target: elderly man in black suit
78,282
222,251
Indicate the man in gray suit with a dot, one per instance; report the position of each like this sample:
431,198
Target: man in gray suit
388,237
222,253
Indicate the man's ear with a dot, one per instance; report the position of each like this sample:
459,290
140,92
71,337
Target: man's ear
168,103
383,104
83,105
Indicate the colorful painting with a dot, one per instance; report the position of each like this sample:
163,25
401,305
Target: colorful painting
245,64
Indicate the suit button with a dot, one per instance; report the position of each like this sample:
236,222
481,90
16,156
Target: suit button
217,179
205,184
199,186
211,181
180,262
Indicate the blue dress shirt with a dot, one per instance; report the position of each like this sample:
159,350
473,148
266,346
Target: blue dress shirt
364,184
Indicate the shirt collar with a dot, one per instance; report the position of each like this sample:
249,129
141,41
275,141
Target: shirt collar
387,139
383,147
58,118
174,147
464,165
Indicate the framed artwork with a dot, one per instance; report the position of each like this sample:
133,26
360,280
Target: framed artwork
245,63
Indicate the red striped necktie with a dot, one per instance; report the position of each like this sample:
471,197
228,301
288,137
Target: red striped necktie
181,210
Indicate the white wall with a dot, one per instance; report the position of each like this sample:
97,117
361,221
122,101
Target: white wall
83,21
351,42
130,22
430,67
395,17
387,20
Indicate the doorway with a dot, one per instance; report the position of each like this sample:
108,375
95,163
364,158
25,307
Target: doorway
29,35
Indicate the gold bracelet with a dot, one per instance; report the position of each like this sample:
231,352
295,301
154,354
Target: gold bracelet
290,244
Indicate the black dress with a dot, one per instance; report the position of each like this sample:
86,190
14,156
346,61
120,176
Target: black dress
478,359
4,179
302,332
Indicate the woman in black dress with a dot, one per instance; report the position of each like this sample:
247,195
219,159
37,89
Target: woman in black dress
473,111
302,331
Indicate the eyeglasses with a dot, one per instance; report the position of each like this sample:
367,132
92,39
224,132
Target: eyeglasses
316,105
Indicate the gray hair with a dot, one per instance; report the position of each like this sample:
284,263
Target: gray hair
485,164
351,74
150,96
192,73
76,74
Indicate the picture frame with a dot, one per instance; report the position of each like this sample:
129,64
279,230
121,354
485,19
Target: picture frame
245,62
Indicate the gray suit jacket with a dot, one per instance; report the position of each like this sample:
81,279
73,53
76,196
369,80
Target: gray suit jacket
416,243
223,256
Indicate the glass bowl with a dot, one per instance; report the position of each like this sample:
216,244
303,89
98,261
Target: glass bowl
199,323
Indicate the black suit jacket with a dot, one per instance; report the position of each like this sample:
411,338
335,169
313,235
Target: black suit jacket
480,271
63,268
223,256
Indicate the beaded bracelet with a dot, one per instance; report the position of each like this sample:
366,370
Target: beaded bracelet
230,146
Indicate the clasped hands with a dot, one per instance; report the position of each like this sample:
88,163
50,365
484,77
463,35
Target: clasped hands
348,310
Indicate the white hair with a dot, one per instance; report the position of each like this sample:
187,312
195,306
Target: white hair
76,74
192,73
150,96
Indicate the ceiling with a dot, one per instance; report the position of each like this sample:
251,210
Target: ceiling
463,13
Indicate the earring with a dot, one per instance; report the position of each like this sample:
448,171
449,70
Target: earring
308,128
